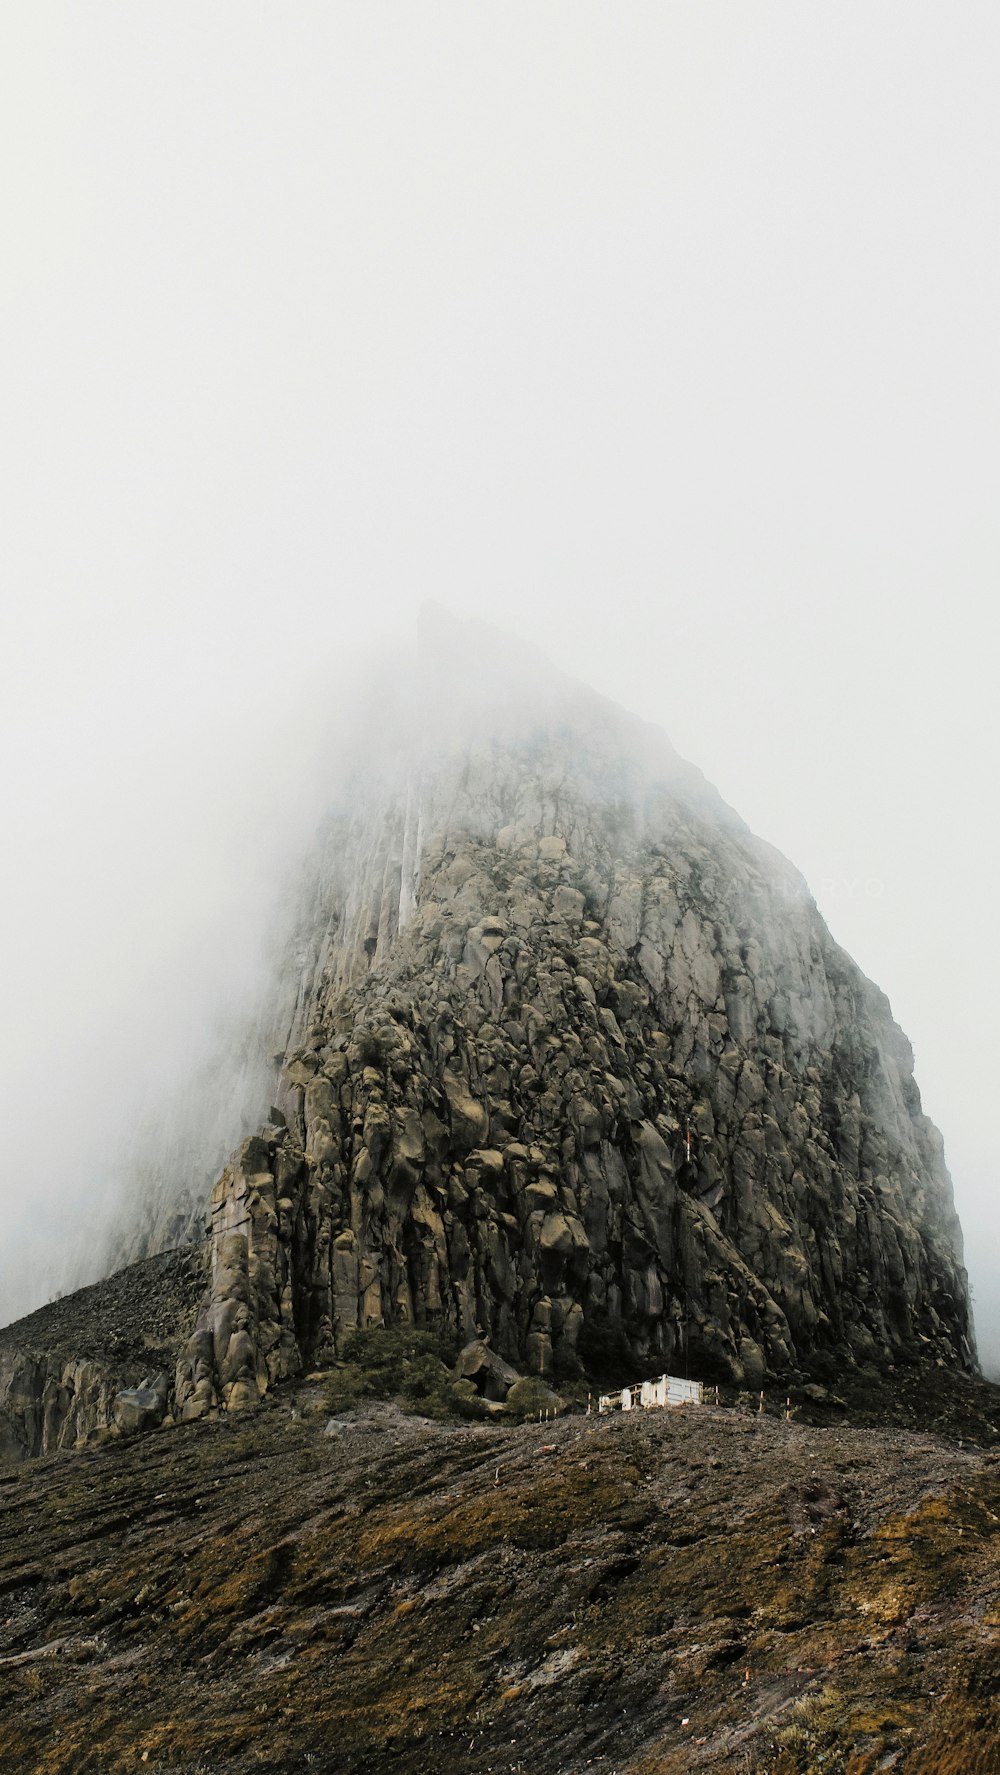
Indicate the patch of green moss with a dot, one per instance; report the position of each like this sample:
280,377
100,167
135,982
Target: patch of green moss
402,1364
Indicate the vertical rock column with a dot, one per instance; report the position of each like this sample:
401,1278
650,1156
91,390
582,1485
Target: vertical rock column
245,1339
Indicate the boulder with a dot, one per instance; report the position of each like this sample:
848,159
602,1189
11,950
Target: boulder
139,1408
529,1396
489,1373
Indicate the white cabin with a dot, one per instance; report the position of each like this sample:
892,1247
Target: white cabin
650,1395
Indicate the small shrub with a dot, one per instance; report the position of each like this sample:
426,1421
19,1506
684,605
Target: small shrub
399,1363
604,1350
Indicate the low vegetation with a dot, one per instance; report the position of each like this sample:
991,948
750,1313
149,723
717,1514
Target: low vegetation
405,1365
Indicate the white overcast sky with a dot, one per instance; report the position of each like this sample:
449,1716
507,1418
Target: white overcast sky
664,335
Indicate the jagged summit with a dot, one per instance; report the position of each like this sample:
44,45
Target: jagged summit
569,1060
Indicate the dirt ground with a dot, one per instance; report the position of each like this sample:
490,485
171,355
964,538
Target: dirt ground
647,1594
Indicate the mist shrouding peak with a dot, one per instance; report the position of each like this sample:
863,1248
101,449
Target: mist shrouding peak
468,688
562,1053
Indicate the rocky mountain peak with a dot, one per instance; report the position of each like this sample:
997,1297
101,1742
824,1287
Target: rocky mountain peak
567,1063
575,1065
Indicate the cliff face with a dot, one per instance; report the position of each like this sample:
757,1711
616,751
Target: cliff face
575,1064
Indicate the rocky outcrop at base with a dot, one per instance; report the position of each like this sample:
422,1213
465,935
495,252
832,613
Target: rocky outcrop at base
98,1362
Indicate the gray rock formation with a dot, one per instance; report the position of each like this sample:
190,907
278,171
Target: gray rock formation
576,1067
100,1361
572,1068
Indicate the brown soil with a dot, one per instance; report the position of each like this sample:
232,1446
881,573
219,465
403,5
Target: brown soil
642,1595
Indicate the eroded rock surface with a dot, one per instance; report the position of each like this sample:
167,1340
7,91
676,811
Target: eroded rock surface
570,1066
576,1064
99,1359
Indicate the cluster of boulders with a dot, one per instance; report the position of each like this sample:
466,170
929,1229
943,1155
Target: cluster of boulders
480,1374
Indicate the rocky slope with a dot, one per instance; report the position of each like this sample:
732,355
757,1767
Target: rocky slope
104,1356
651,1595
